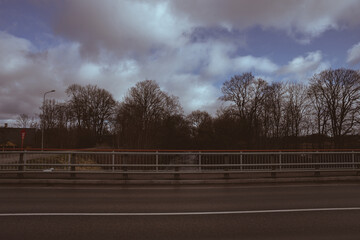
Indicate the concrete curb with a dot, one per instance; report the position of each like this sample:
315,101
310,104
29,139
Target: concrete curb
181,182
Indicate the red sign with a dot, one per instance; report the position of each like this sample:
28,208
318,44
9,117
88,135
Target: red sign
23,133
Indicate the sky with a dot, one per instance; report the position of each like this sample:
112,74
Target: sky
190,47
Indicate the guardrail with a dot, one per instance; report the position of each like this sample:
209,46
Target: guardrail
76,162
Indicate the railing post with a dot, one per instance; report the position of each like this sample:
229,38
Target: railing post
317,166
72,165
353,159
199,161
21,165
273,166
226,161
280,163
317,173
241,161
125,174
69,162
113,162
157,161
24,160
357,166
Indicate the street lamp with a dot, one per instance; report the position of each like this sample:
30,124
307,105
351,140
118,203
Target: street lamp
43,125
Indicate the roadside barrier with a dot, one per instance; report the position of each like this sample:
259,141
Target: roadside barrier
176,163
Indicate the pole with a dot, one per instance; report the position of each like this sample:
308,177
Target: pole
43,125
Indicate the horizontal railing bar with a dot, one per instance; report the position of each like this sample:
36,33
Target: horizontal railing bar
180,165
179,172
174,153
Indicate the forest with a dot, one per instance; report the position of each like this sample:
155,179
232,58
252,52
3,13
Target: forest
256,114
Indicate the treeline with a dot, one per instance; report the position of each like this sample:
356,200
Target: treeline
257,115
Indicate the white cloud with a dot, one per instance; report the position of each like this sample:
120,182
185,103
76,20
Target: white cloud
353,54
303,67
249,63
24,77
219,61
12,52
223,59
194,92
22,89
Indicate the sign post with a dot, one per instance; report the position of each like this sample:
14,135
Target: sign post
23,133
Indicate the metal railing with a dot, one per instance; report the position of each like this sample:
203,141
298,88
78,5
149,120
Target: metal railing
75,162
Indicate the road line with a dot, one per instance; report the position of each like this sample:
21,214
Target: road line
185,213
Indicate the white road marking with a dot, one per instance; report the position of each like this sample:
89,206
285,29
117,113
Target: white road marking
185,213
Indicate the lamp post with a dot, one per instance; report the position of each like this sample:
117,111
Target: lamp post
43,125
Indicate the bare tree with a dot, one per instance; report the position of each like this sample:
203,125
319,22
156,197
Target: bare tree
22,121
229,130
247,95
257,108
318,111
340,92
48,115
91,108
151,102
144,108
197,118
238,91
296,105
201,128
273,110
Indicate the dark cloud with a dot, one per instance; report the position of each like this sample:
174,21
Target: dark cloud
121,28
304,19
133,28
203,34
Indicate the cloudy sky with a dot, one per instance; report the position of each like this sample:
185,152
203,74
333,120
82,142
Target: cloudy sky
190,47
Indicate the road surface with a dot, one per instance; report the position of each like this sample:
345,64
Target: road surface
311,211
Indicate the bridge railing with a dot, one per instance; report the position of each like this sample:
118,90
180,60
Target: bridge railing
176,162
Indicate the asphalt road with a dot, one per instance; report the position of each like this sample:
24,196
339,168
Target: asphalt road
330,211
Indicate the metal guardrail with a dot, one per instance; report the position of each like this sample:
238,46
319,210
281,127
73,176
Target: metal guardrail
75,162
